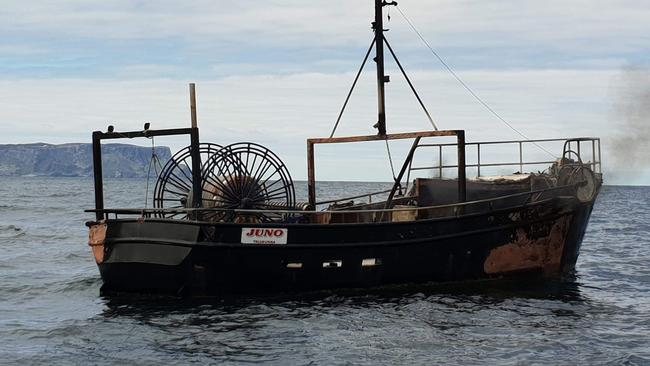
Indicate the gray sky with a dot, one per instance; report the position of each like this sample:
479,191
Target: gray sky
277,72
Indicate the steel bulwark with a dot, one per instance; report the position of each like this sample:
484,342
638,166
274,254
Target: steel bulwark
315,258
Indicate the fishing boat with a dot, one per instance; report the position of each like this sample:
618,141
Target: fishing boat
225,219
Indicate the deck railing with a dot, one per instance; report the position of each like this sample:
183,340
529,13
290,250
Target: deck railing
454,209
572,149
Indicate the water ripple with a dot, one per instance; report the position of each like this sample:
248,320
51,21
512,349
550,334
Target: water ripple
51,311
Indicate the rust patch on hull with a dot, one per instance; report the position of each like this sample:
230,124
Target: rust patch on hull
529,250
96,239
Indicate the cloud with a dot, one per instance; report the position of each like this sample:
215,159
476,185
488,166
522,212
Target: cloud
282,111
194,36
277,71
20,50
294,22
145,70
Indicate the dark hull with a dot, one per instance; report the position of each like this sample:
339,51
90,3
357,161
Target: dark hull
189,258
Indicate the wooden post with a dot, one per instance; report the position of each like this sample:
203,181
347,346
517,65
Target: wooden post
195,152
193,104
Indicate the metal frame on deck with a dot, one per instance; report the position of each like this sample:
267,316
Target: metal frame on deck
193,131
460,143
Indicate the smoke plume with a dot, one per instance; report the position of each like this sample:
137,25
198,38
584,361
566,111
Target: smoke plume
632,141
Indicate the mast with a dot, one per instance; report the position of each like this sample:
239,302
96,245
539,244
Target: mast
378,27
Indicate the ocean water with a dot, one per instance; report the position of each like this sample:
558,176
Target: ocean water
51,311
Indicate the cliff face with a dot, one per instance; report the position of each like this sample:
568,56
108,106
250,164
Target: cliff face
76,160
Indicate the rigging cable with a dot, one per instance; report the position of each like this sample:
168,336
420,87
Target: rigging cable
392,168
417,96
154,159
453,73
390,160
347,99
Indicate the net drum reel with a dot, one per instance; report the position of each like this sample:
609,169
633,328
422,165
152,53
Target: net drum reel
247,176
240,176
173,188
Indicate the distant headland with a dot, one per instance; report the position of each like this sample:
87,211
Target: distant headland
75,160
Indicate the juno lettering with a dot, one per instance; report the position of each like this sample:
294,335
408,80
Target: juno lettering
265,233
